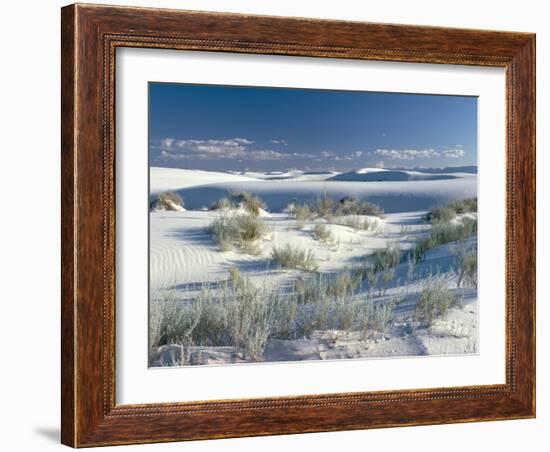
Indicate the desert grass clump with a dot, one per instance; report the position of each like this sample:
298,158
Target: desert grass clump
350,205
237,231
171,322
291,257
239,282
421,248
434,302
446,232
248,322
168,201
329,301
386,277
344,284
376,316
232,313
369,208
465,266
252,204
451,210
307,290
302,213
324,207
438,214
386,258
443,233
464,205
372,278
322,233
357,222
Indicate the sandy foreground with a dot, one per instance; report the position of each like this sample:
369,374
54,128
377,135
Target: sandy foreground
184,257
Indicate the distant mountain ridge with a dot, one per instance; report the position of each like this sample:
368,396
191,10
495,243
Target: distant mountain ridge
471,169
402,175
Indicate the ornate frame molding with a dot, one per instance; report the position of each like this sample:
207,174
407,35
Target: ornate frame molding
90,37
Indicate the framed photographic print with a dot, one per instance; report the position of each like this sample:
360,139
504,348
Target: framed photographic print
280,225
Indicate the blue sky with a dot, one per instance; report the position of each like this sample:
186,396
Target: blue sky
214,127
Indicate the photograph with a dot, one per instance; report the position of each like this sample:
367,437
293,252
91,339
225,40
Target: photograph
267,223
290,224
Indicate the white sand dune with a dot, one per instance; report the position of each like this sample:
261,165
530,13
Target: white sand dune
200,189
381,175
293,175
391,196
183,253
184,256
174,179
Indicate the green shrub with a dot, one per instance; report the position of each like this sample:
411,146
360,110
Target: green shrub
168,201
443,233
369,208
374,316
421,248
248,321
322,233
464,205
372,277
335,285
293,257
234,200
386,258
239,231
343,284
222,204
234,313
238,313
350,205
357,222
307,290
386,277
448,212
438,214
171,322
323,207
446,232
302,212
434,302
466,266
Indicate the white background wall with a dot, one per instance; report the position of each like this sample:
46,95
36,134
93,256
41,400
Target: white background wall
29,251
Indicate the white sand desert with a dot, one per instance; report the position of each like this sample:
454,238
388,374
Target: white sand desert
188,266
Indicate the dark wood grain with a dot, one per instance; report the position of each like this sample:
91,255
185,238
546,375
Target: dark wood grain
90,36
68,311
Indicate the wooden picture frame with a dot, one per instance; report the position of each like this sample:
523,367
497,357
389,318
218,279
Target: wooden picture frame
90,36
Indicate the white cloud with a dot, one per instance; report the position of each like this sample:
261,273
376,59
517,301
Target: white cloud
167,142
412,154
406,154
242,140
266,155
232,148
453,153
279,142
245,149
